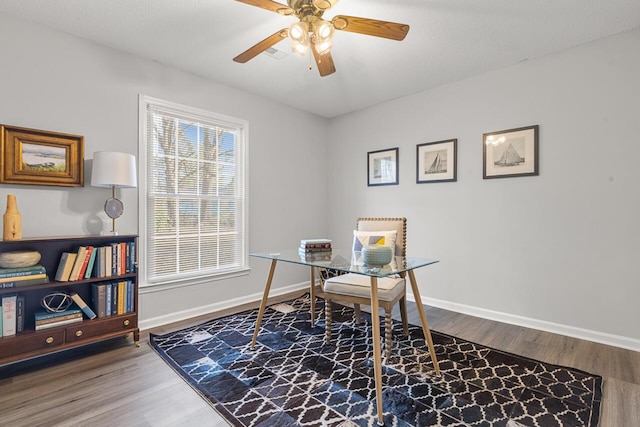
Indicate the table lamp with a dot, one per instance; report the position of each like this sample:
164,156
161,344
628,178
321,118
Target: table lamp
115,170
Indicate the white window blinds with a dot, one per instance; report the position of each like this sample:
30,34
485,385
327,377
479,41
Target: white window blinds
194,195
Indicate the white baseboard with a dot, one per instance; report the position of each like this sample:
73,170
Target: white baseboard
218,306
556,328
571,331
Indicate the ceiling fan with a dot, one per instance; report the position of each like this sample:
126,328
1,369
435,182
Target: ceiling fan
313,33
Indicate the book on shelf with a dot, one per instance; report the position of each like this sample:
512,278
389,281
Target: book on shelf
90,263
20,303
83,305
85,263
24,282
22,278
43,314
81,254
63,316
131,293
112,299
9,315
131,257
58,323
120,298
67,260
98,298
22,271
0,318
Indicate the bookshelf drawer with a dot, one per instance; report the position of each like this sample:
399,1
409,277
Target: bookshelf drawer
31,342
90,329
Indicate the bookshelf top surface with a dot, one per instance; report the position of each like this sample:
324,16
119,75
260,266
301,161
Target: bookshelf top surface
78,237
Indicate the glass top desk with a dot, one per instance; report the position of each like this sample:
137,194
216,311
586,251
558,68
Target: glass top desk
347,262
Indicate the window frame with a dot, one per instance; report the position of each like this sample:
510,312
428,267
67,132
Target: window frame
190,113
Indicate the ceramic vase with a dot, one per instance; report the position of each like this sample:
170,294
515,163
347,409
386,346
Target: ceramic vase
12,220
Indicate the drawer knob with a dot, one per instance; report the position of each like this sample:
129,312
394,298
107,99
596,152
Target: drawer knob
126,322
49,340
78,333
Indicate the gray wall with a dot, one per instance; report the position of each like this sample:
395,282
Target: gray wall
56,82
559,251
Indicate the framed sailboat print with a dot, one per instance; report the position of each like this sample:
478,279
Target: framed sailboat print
382,167
509,153
437,161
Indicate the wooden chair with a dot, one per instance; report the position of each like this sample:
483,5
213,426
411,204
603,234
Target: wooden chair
356,288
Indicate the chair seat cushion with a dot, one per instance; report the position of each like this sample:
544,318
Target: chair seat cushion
357,285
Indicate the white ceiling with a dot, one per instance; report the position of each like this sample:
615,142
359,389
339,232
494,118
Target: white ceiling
449,40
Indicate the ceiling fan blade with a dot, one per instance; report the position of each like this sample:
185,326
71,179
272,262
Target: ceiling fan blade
261,46
371,27
324,63
273,6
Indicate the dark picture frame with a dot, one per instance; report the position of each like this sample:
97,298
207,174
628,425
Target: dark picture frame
437,161
382,167
37,157
510,153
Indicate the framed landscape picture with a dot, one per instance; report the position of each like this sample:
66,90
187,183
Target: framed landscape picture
35,157
436,161
510,153
382,167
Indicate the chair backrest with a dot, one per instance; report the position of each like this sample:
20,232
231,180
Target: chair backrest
387,224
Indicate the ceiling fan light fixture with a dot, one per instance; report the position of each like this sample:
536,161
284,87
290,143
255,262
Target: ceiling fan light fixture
323,47
299,35
299,32
299,48
323,31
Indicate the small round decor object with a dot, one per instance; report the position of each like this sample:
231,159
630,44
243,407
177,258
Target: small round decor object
17,259
55,302
376,254
114,208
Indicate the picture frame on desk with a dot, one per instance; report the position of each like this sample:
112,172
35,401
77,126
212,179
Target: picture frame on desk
37,157
437,161
510,153
382,167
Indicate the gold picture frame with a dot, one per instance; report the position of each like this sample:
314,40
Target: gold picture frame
37,157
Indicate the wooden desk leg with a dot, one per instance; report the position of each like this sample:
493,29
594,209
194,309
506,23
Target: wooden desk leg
263,304
312,293
423,319
377,353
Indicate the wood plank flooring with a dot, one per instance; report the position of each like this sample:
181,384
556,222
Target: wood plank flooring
118,384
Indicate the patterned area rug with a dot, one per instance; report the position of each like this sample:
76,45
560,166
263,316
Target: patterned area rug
293,378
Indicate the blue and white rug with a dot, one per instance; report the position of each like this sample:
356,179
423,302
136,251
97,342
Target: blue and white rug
293,378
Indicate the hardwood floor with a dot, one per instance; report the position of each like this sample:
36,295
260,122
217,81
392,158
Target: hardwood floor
118,384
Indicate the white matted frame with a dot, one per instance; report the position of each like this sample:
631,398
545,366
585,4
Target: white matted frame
437,161
510,153
382,167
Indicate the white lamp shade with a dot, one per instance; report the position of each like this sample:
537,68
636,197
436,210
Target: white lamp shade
112,169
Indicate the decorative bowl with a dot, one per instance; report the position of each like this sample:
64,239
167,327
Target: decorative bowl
376,254
17,259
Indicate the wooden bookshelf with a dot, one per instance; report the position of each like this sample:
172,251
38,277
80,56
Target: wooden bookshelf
32,343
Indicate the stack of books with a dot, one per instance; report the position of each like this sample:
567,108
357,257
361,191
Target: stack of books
46,320
315,249
23,276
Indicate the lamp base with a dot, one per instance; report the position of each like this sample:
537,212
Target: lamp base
109,233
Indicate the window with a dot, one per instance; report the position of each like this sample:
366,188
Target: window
192,193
